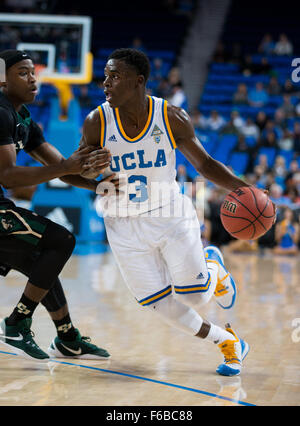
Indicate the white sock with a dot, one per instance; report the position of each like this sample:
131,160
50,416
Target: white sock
217,334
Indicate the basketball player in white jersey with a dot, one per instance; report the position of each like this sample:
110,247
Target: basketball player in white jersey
159,251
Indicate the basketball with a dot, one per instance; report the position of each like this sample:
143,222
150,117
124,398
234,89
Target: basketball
247,213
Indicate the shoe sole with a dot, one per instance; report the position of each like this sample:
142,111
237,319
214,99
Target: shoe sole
55,353
232,280
244,354
20,352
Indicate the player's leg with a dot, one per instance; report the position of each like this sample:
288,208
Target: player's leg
147,276
195,279
186,319
23,259
24,233
68,343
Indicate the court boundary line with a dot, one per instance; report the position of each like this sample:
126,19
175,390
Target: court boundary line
146,379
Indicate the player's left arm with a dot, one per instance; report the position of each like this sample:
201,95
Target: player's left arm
47,154
187,142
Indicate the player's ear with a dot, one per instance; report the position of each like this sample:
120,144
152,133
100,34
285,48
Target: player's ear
141,79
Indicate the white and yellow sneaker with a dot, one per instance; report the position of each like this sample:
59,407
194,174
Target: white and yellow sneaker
234,352
225,292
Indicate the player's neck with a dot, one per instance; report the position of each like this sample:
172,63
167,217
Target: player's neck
135,111
16,103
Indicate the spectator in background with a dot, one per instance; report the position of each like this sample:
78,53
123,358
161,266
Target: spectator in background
287,107
157,70
174,76
263,178
237,120
296,137
280,120
266,45
250,129
198,119
84,99
292,176
178,97
293,194
247,66
229,128
269,141
261,120
287,234
270,127
137,43
215,121
220,54
163,89
258,97
262,165
240,97
279,168
283,46
182,176
274,88
236,56
277,197
286,142
289,88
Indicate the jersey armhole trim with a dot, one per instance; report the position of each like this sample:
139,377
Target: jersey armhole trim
167,124
103,126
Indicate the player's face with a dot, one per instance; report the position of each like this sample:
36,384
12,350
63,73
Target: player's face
121,83
21,82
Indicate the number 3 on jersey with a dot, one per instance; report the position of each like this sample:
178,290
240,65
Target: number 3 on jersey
141,187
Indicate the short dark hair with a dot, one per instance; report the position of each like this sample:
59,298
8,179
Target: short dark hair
134,58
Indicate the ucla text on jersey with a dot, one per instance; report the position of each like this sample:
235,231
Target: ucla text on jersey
146,161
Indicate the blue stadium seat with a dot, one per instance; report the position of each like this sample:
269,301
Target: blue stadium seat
239,162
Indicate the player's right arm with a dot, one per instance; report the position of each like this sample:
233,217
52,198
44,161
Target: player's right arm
12,176
91,137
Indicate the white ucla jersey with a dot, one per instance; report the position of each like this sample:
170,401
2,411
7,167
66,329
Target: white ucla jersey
145,164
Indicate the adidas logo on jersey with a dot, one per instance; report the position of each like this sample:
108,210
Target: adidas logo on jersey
112,139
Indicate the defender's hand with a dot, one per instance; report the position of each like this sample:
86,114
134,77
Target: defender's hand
98,160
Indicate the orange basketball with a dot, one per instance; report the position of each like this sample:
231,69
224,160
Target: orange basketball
247,213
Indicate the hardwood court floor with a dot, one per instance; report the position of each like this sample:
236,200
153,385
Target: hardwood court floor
153,364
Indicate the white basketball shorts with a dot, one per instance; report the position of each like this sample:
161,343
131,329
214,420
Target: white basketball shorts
159,254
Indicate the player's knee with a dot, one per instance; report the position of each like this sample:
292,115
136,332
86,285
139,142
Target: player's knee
195,300
59,238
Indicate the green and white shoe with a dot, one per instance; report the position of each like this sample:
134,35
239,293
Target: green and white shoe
20,338
80,348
